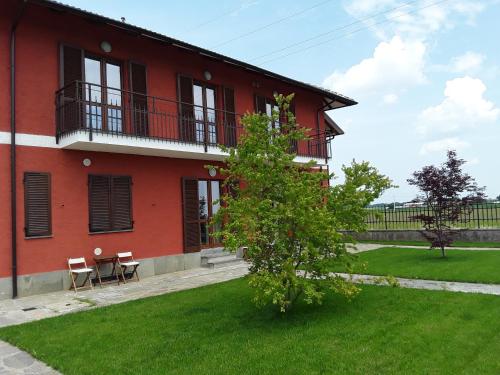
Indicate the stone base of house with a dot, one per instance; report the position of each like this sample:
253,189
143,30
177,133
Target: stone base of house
47,282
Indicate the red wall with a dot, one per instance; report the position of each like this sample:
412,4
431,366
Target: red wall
157,181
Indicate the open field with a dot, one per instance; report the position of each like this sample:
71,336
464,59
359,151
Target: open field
425,243
459,265
216,329
483,216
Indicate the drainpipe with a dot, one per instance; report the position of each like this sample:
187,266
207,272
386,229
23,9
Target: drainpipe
13,192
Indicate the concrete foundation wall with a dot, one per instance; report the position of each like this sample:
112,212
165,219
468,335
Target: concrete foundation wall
46,282
476,235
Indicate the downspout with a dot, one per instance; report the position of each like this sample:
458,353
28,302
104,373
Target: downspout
13,191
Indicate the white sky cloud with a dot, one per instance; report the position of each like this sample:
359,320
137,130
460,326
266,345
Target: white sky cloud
464,106
416,20
394,66
390,98
443,145
468,62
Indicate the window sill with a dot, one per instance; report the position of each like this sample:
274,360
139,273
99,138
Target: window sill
38,237
112,231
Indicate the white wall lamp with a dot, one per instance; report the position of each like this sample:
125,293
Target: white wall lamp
207,75
106,46
87,162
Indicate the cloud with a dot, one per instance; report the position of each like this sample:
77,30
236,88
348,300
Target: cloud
468,62
390,98
394,66
464,106
417,20
443,145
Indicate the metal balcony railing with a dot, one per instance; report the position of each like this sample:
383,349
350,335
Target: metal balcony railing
96,109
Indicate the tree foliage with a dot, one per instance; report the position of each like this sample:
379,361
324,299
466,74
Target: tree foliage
289,220
449,193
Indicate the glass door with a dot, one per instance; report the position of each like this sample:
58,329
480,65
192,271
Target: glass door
103,96
208,196
204,114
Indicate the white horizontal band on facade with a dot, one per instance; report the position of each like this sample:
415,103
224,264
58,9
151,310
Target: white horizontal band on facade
33,140
125,145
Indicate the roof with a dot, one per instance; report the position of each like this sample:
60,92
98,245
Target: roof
331,99
334,128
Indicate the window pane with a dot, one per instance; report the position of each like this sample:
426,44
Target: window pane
197,95
113,80
203,199
92,75
215,196
210,98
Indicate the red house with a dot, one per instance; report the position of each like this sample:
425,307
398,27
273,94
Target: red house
105,131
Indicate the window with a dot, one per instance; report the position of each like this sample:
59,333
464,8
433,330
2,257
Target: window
200,204
267,106
37,207
102,94
110,203
204,113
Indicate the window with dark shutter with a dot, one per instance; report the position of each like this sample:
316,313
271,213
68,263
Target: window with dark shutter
110,203
37,206
260,104
138,86
187,127
229,117
191,212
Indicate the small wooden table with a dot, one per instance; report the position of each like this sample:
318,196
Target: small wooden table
101,260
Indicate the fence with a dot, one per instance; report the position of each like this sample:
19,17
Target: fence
481,216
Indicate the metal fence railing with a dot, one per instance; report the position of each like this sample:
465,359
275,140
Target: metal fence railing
480,216
95,109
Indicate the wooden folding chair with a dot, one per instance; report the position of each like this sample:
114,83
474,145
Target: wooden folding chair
126,260
78,266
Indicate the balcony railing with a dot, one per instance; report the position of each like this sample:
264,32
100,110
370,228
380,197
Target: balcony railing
95,109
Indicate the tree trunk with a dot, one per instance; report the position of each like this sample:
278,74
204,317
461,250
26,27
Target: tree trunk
442,252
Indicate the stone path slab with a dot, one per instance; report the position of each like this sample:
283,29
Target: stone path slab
371,246
14,361
450,286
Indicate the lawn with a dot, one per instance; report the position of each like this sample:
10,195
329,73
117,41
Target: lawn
425,243
482,266
217,330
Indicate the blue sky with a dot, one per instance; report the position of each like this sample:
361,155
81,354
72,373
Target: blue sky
426,73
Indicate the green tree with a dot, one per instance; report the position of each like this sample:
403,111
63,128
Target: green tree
282,212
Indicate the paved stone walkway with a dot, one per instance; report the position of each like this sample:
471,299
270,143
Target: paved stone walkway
14,361
371,246
450,286
42,306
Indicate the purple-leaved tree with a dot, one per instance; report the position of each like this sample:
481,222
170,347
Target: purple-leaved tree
449,194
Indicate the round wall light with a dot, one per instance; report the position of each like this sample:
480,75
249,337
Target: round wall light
106,46
207,75
212,172
87,162
97,251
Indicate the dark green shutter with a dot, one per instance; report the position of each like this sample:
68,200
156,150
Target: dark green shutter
229,117
121,202
37,204
139,105
99,203
191,215
187,128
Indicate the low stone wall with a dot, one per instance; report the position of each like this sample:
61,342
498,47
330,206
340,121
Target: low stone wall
46,282
476,235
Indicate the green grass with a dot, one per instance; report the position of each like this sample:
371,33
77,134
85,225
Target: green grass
217,330
425,243
481,266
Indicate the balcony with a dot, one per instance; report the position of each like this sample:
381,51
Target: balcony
92,117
